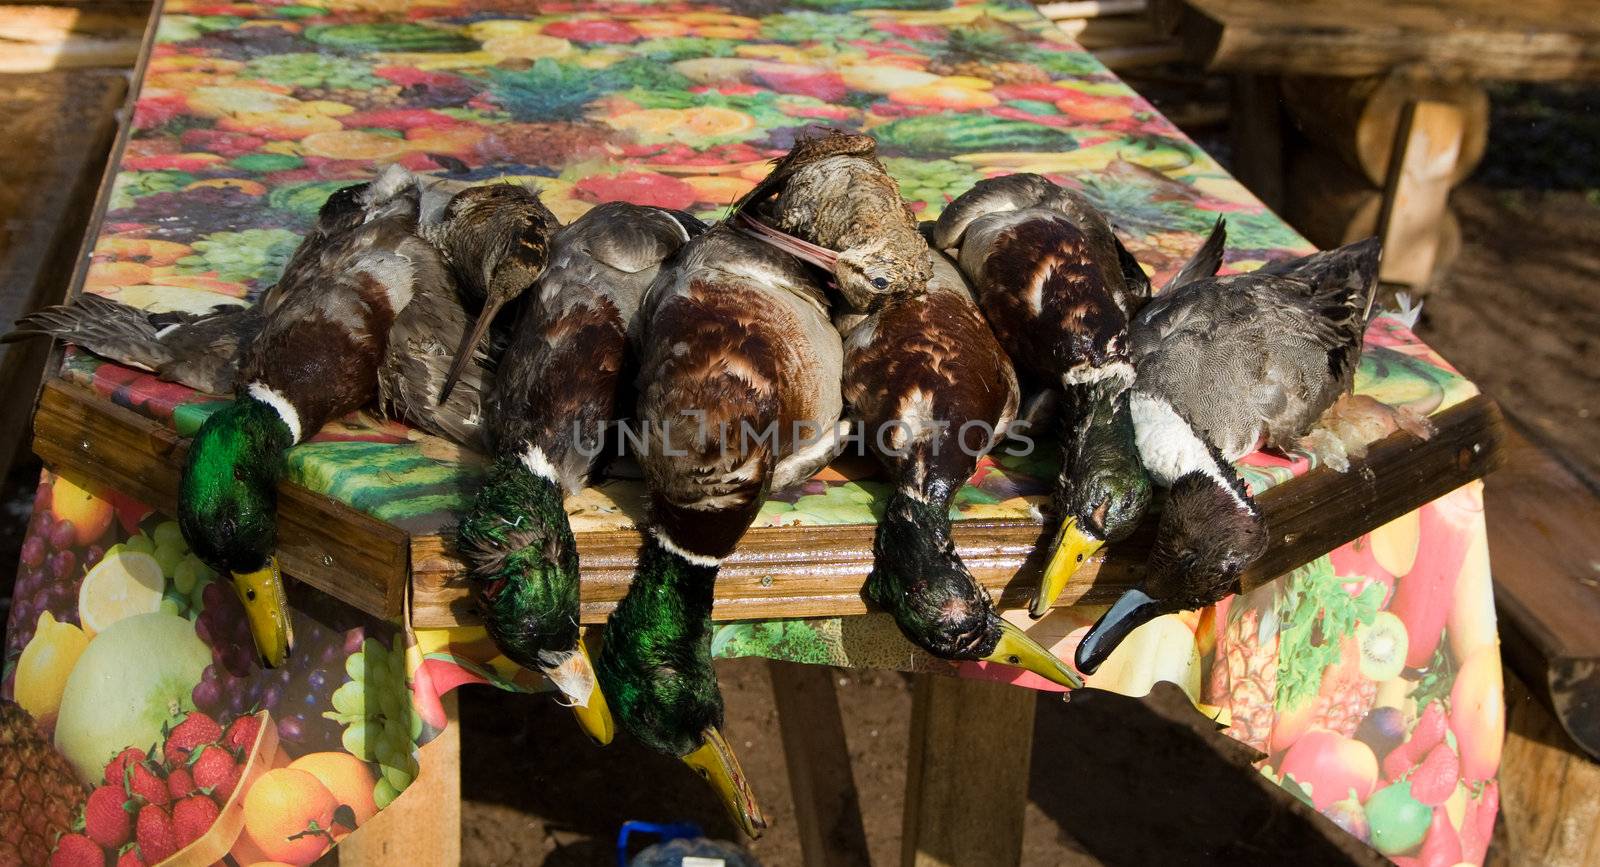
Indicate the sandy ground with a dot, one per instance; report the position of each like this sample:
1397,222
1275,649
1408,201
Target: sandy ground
1111,781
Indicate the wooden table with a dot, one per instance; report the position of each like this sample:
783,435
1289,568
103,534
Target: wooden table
1389,95
222,144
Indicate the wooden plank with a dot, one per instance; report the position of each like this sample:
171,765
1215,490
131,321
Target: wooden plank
1534,40
777,571
1427,146
423,825
354,557
1542,521
966,773
55,131
40,38
826,805
1547,790
1091,8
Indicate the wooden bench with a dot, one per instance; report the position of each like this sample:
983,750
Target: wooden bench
1388,96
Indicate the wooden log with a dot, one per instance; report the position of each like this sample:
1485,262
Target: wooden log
1548,806
1091,8
1332,204
1258,137
1101,33
1530,40
423,825
1358,117
40,38
1542,521
1137,56
826,806
966,773
1417,195
55,131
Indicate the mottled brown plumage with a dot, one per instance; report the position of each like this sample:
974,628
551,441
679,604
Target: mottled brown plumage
494,240
838,208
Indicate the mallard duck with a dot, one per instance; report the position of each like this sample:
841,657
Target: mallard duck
306,352
738,388
1223,365
1058,288
838,208
561,379
934,391
494,240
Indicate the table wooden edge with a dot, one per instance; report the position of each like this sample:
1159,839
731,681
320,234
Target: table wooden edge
777,572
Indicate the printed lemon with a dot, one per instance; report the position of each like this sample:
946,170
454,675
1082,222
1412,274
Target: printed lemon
122,585
45,663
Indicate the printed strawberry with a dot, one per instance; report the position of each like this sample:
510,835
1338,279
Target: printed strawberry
1441,848
215,769
196,730
104,819
241,733
76,850
1480,822
1397,762
192,818
143,783
116,769
1435,779
157,840
179,783
130,858
1429,730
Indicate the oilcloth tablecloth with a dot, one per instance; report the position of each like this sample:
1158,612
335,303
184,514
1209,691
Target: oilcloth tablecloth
1370,677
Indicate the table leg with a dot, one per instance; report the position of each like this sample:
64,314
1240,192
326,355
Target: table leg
966,773
423,825
1427,146
826,805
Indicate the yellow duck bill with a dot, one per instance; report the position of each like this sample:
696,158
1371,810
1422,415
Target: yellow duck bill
1073,548
266,607
593,713
1133,610
715,762
1018,650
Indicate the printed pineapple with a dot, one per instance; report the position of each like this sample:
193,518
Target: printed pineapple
39,794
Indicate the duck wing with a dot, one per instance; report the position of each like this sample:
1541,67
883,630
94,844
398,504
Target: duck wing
421,349
200,351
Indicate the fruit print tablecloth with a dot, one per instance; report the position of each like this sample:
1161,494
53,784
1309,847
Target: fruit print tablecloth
144,728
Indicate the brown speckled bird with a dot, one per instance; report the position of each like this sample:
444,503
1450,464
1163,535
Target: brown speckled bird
1054,282
738,390
934,391
838,208
495,241
563,377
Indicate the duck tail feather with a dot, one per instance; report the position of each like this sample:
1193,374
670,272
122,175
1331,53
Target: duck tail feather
107,328
1206,261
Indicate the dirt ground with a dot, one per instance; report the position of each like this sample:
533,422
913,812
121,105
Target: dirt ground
1112,781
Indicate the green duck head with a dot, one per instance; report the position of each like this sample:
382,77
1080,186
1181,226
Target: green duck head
523,562
920,580
227,509
656,666
1102,491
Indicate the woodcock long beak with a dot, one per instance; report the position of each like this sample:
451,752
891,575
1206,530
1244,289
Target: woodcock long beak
1072,549
266,607
469,344
1018,650
803,250
1133,610
716,764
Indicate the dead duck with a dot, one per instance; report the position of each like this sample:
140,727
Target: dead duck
319,336
933,391
1224,365
562,378
494,240
738,387
1058,287
838,208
